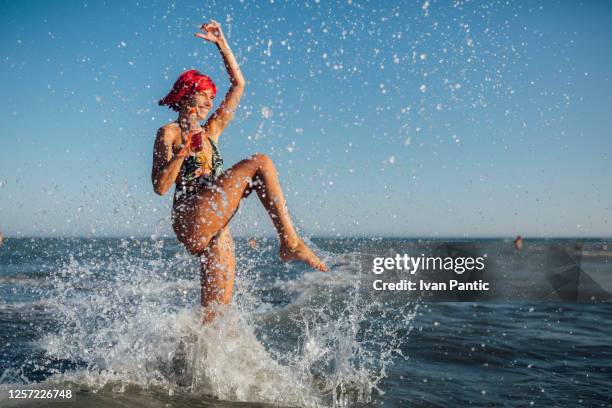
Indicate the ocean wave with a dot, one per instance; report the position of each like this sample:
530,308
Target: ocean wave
133,320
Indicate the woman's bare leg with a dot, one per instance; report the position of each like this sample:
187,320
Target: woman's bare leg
216,206
218,271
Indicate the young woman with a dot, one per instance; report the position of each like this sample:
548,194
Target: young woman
206,197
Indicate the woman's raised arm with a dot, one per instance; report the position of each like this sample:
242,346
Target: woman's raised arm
225,112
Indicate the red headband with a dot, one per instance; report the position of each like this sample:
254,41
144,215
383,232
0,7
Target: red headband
188,83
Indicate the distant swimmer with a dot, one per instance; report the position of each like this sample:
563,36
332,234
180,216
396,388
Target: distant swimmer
253,243
206,197
518,243
1,238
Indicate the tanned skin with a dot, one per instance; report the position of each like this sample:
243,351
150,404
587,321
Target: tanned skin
200,220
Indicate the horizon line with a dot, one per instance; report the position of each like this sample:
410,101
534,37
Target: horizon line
378,236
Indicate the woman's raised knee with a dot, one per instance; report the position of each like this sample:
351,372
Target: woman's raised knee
262,160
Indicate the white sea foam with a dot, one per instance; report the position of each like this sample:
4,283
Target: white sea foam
129,321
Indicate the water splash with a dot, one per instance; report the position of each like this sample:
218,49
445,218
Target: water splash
127,316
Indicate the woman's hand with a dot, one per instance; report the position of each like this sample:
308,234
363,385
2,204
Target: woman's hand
218,121
189,129
185,148
211,32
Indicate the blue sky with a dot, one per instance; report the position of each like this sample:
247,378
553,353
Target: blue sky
457,118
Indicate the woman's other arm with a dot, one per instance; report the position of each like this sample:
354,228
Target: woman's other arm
166,164
225,113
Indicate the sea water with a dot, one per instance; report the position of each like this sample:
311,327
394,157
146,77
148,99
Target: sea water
117,321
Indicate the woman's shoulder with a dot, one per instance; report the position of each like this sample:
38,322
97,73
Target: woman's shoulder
169,131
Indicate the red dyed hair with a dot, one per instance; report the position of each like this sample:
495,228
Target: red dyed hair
188,83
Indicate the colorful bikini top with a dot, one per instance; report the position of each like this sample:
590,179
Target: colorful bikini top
196,163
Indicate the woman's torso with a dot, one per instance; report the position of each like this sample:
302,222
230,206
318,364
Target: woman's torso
200,167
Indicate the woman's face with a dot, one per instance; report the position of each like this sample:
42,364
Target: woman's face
202,102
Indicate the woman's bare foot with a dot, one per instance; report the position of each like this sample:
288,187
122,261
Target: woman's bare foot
301,252
208,315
